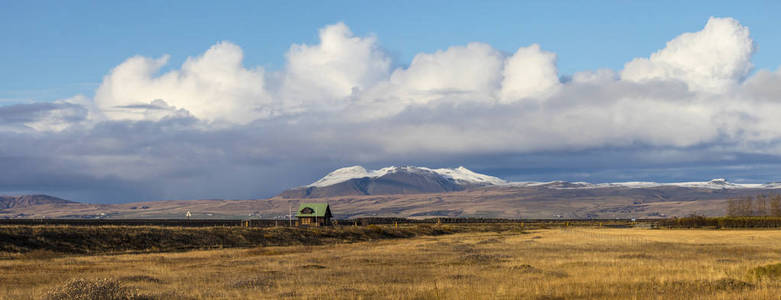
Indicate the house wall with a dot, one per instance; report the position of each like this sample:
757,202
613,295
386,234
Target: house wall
311,221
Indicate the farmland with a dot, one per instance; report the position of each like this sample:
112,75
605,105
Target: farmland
490,262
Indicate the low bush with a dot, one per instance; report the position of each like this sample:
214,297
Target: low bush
94,289
772,272
253,283
141,278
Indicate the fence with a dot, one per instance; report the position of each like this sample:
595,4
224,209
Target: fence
354,221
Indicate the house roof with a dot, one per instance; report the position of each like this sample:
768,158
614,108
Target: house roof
318,210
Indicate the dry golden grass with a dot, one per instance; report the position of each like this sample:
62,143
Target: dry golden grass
571,263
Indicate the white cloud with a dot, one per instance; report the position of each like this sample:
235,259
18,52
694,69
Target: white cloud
529,73
346,78
323,75
213,87
764,85
474,73
471,70
711,60
459,74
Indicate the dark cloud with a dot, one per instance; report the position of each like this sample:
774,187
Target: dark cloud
25,113
184,158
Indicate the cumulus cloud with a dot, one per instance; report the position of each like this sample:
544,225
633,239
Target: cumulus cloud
215,128
459,74
326,74
213,87
471,70
765,85
529,73
711,60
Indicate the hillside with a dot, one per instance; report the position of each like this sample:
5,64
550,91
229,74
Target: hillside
354,181
24,201
505,201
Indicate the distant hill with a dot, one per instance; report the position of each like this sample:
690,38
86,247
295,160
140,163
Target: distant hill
24,201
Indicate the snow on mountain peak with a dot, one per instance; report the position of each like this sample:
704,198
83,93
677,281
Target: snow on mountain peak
459,175
718,183
341,175
464,175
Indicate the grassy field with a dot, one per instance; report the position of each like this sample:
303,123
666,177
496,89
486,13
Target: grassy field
561,263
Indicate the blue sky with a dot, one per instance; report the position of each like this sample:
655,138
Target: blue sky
54,49
146,100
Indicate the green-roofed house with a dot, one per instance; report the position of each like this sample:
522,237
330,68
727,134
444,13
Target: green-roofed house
314,214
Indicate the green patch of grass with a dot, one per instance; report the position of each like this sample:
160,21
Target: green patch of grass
772,272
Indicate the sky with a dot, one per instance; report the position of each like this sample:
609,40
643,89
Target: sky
149,100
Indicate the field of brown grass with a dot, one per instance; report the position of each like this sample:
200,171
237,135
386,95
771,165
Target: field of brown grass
561,263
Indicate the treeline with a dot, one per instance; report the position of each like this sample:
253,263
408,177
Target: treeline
720,222
761,211
761,205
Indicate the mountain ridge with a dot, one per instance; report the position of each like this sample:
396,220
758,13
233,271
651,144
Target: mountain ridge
24,201
459,174
356,180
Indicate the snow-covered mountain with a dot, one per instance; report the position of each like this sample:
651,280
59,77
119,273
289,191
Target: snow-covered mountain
356,180
459,175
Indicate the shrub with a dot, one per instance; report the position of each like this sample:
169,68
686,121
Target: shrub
254,283
93,289
772,271
141,278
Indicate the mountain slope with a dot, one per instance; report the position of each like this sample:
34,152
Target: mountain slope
356,180
23,201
